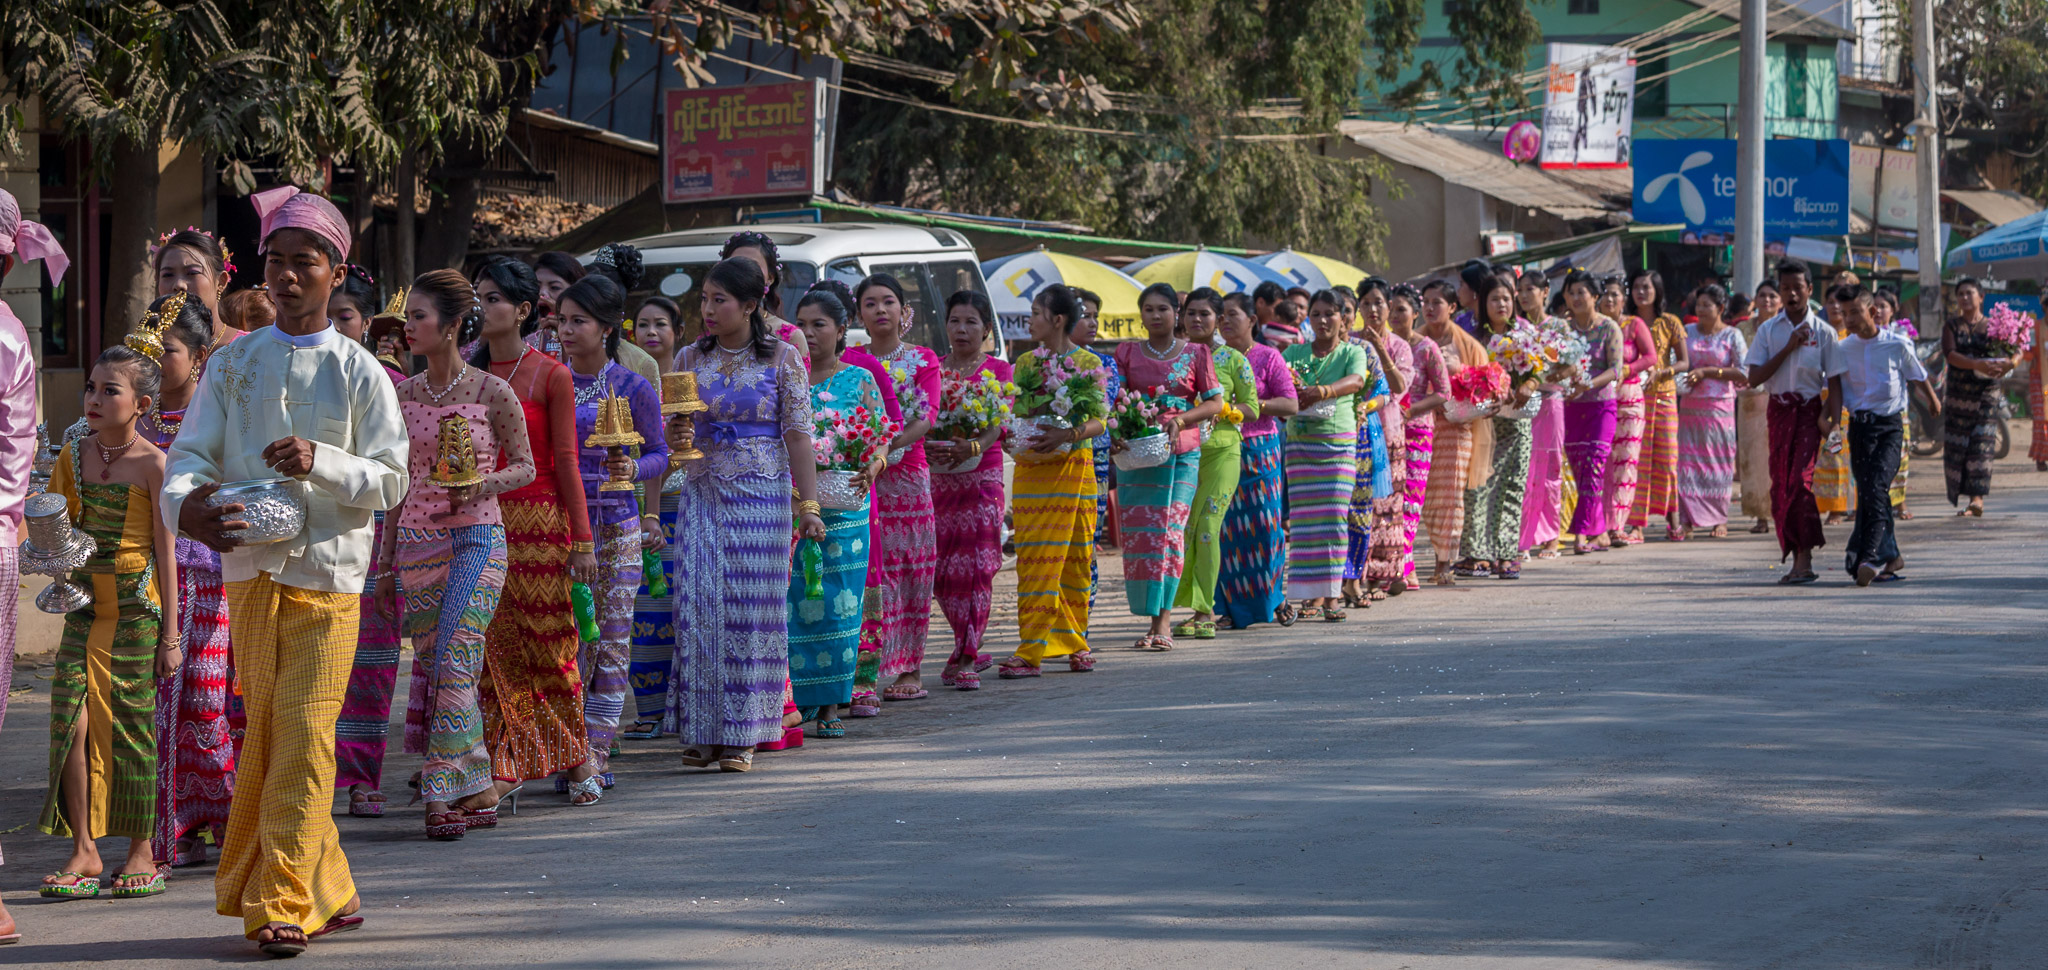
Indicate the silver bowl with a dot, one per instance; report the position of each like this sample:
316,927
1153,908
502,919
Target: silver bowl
1023,429
1151,451
275,509
836,491
1321,410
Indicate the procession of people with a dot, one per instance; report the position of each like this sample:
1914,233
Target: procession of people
601,523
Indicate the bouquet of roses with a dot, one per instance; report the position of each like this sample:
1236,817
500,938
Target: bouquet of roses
1054,385
969,406
848,439
1479,385
1137,413
1300,368
2011,331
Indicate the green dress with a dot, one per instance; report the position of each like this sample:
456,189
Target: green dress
105,683
1216,483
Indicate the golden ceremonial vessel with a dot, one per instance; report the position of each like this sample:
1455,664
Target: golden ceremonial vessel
679,396
455,457
614,431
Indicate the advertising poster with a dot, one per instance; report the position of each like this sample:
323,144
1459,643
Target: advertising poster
743,142
1691,181
1590,106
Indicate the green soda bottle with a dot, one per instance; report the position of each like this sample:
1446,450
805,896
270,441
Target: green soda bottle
814,570
586,611
650,568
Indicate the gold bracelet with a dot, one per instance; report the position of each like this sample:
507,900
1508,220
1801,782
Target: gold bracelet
584,546
974,448
809,507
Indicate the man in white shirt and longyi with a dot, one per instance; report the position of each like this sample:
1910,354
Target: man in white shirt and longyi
296,401
1794,358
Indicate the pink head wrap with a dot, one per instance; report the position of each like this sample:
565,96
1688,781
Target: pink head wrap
31,240
285,207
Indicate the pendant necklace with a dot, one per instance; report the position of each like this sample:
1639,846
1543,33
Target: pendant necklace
107,455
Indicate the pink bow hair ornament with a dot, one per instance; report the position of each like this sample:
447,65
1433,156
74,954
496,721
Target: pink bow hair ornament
30,240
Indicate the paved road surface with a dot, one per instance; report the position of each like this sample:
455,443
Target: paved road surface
1650,758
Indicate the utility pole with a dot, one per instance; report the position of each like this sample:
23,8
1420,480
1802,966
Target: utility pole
1749,151
1926,131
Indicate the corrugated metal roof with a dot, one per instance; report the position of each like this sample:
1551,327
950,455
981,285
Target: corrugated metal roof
1782,19
1997,207
1461,162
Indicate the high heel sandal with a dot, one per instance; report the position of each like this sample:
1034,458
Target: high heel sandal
736,760
1083,662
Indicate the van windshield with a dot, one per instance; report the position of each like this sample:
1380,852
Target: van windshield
683,283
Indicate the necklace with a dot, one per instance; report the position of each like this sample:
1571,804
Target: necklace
743,348
436,396
970,368
107,455
1172,350
516,364
585,395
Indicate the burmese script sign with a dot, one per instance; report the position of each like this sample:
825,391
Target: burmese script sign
743,142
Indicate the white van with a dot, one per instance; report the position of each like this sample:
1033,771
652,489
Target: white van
931,263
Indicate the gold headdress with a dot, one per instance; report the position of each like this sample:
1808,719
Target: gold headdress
148,336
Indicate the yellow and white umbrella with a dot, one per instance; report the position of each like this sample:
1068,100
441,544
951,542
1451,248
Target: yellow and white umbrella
1015,280
1195,269
1312,272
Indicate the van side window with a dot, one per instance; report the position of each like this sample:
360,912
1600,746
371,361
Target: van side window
846,271
952,276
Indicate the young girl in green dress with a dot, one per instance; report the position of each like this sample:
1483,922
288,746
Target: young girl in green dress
103,697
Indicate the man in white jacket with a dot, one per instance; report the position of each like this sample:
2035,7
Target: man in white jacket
295,401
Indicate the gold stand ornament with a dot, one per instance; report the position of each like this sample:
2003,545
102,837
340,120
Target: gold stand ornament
614,431
455,455
679,396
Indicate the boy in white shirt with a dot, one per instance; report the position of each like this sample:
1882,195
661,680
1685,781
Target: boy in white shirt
1880,366
1794,358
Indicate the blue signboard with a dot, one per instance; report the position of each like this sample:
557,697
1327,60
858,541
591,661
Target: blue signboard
1692,181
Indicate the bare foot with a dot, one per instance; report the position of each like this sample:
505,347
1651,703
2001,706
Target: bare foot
7,927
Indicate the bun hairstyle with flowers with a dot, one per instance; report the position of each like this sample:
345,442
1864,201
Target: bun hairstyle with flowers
833,299
746,239
742,279
622,263
454,299
210,250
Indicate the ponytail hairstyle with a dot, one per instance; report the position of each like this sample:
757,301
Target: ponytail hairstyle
1060,300
831,298
455,300
600,297
515,279
742,278
1205,295
748,238
621,262
358,288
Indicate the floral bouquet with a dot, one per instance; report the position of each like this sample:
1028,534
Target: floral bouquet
1052,391
1522,352
848,439
1137,413
844,442
2011,331
1299,368
969,406
904,381
1475,390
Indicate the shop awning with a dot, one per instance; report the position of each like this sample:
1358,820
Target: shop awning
1997,206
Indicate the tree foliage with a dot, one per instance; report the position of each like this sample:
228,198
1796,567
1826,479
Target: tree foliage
1992,68
1206,152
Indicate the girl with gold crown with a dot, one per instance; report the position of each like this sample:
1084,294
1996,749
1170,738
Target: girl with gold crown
103,752
199,710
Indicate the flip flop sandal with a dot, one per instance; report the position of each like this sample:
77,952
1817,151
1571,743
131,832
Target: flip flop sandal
152,886
1185,628
1285,615
832,728
482,818
1334,615
1798,579
1144,642
1889,578
865,704
82,886
279,947
1018,672
448,828
638,733
563,784
916,694
1309,612
1083,662
1205,630
967,681
1161,644
1378,595
983,662
339,924
1509,572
